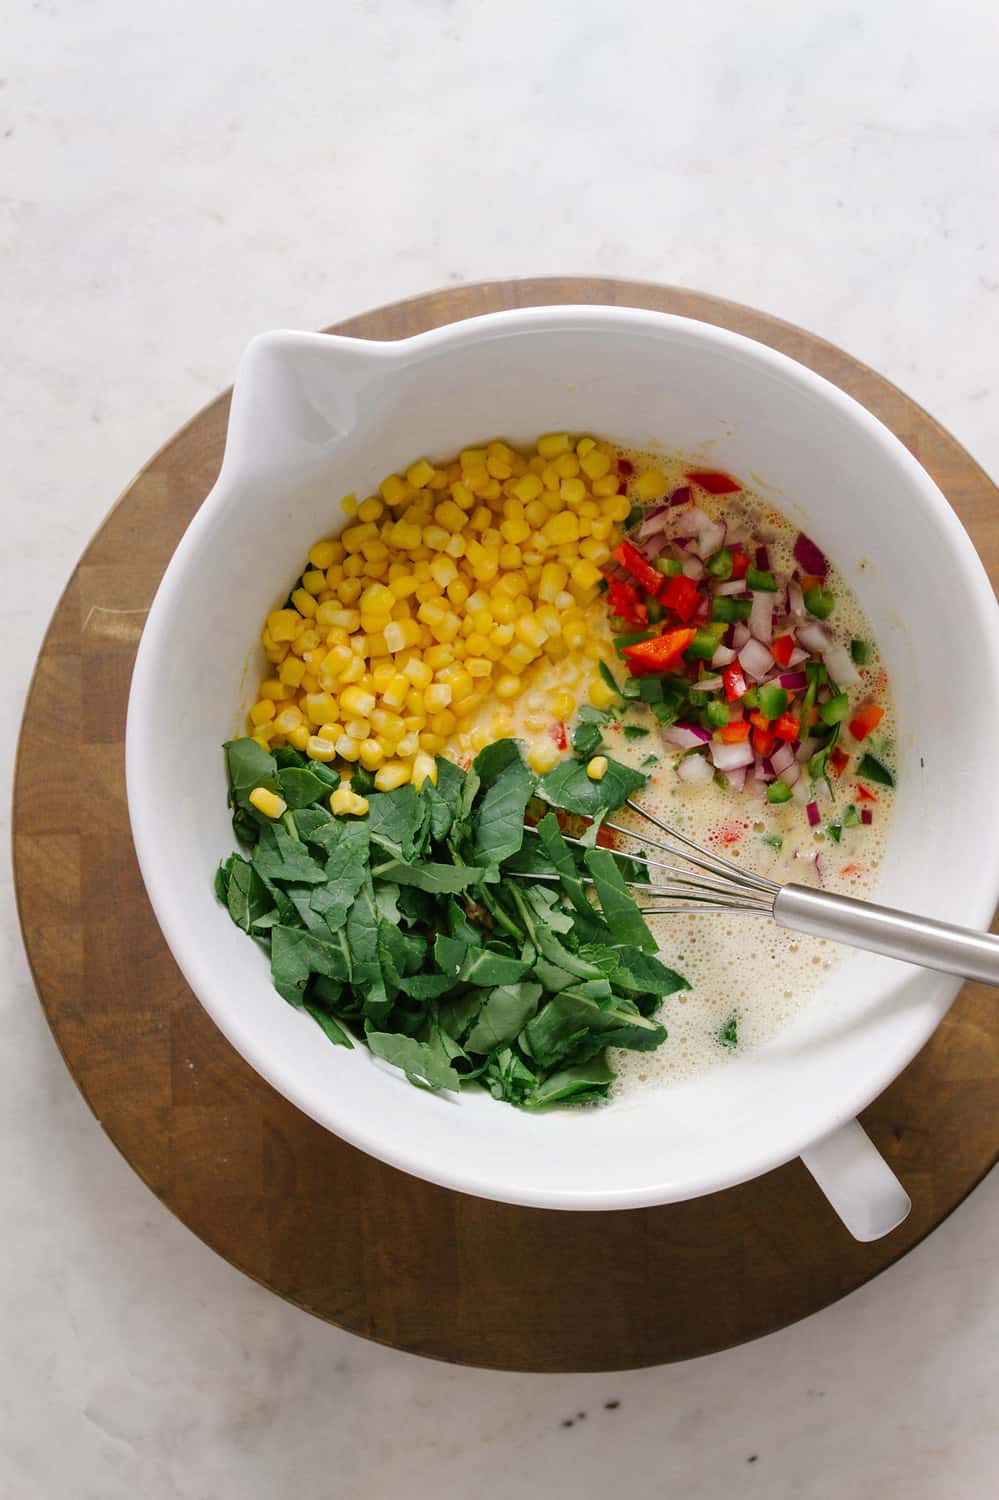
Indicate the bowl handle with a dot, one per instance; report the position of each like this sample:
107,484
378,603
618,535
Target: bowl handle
858,1182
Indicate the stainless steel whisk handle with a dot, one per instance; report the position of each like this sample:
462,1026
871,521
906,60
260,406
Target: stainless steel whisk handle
915,940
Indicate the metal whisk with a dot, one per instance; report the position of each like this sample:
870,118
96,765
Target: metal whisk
705,882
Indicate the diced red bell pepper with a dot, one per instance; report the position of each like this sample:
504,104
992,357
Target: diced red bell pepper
838,760
735,682
763,741
866,721
714,481
781,649
639,567
734,734
740,563
681,596
558,734
623,601
863,795
787,728
625,468
659,654
758,721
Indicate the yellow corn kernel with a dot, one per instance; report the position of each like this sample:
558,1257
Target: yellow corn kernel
283,625
288,719
291,671
376,599
515,531
594,464
319,749
585,574
314,580
349,505
424,767
353,567
304,602
560,528
371,755
394,490
420,474
617,507
395,690
381,676
478,666
573,491
554,576
502,724
413,723
528,487
462,495
584,446
436,538
347,747
507,686
391,775
408,745
298,738
433,744
596,769
401,634
357,701
542,755
346,803
418,672
322,554
331,732
443,723
311,683
608,485
443,571
268,803
404,585
371,509
357,729
261,712
595,550
438,656
387,723
457,592
461,685
438,480
554,443
530,630
562,703
469,458
502,634
437,696
450,515
651,485
602,695
272,687
319,708
407,535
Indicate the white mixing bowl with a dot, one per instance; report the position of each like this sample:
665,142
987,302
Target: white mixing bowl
315,417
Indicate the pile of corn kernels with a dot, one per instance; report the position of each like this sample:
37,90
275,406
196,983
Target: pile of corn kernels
453,598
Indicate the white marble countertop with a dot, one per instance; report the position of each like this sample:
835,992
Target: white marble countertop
176,177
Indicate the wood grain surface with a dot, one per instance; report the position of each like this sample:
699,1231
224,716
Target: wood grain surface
351,1240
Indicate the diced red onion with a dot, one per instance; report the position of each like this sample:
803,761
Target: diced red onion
740,635
693,769
711,538
866,815
782,757
809,558
793,681
791,774
737,778
763,559
755,659
693,568
655,521
814,637
806,750
731,757
680,496
839,665
768,766
653,546
761,618
723,657
795,600
686,736
692,522
709,684
733,586
760,771
814,816
797,657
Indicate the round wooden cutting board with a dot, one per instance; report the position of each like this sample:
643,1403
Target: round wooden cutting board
355,1242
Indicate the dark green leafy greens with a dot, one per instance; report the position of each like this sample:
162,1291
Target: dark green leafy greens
459,947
